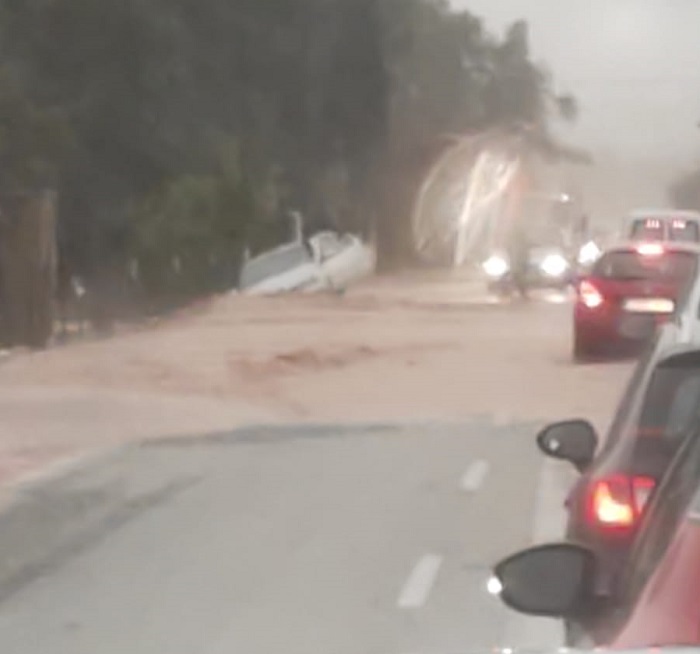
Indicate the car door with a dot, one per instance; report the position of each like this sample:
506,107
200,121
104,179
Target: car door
667,510
667,611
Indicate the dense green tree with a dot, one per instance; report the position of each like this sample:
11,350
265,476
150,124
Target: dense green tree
335,106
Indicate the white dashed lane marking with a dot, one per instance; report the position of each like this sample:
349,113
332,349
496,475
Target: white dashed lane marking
420,582
474,476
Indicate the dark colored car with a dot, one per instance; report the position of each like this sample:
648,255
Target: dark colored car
630,291
607,502
656,600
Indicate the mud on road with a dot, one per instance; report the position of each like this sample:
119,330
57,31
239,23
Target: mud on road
404,348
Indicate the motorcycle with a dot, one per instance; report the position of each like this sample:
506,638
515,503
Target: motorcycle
544,267
503,281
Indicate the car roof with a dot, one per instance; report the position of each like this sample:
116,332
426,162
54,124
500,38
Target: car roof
683,331
678,352
638,214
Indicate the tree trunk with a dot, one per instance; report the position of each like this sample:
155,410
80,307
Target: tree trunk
28,261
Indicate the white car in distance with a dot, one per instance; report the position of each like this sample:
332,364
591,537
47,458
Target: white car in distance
325,261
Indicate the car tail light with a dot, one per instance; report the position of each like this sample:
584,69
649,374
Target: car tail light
590,295
617,502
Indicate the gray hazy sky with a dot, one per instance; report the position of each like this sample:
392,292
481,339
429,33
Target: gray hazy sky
633,64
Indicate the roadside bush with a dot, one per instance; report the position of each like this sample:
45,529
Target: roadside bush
187,238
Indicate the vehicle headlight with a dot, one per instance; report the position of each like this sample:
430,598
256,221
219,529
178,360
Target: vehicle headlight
588,253
554,265
496,266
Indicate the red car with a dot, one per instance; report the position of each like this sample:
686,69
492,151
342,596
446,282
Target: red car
631,289
656,602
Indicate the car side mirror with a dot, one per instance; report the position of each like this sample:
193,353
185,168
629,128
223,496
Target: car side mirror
553,580
571,440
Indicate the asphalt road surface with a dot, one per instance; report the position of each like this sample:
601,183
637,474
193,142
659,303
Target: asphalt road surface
374,539
366,539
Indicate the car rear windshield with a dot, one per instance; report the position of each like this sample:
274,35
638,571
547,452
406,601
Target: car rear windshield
672,402
677,267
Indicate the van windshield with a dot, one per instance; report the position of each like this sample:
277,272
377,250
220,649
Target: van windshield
684,230
648,230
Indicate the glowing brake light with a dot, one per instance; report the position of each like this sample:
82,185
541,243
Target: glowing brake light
609,509
653,224
618,502
590,295
650,249
679,224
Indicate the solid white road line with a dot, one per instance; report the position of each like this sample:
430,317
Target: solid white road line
549,522
550,513
474,477
420,582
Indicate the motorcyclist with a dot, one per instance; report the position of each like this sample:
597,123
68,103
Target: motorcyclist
518,255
